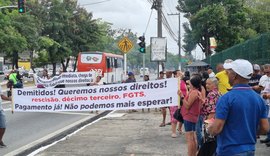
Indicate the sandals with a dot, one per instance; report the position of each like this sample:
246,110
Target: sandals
173,135
162,125
180,132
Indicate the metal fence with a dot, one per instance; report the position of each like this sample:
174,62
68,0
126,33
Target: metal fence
255,50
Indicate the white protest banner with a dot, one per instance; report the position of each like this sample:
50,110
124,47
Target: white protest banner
150,94
67,78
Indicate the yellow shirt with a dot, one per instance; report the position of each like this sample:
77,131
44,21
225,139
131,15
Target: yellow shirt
223,82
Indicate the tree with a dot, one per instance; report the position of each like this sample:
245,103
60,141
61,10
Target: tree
224,20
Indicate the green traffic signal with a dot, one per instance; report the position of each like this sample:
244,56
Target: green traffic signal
142,50
21,10
21,6
142,44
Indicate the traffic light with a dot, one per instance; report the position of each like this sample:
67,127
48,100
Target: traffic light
142,44
21,7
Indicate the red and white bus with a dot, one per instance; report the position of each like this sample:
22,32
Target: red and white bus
109,66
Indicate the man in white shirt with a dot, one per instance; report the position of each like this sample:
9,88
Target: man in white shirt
210,72
264,85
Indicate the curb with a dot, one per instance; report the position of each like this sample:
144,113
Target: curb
51,138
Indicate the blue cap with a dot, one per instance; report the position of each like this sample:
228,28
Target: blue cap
130,73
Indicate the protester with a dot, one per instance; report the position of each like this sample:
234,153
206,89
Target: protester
264,84
161,75
45,76
177,74
238,113
146,78
208,110
96,83
209,107
163,109
186,76
255,79
184,90
222,76
131,78
190,112
15,79
210,72
266,96
2,118
60,85
199,123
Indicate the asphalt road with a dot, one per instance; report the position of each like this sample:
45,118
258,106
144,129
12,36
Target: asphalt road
25,128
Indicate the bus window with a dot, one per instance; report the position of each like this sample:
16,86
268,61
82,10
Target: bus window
108,62
115,63
112,62
119,63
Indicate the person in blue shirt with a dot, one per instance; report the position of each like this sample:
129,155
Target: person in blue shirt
239,114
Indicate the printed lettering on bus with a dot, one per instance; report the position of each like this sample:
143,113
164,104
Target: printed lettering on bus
107,65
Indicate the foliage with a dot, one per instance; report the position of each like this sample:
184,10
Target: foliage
229,21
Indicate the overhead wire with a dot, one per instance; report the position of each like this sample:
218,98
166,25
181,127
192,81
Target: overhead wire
95,3
148,21
167,25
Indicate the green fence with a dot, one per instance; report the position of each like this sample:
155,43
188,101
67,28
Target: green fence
255,50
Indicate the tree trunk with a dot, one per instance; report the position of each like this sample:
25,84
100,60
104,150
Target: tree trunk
15,60
54,69
75,65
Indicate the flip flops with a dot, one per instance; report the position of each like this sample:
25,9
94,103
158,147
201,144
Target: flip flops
162,125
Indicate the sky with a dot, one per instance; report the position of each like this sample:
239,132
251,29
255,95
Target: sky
134,15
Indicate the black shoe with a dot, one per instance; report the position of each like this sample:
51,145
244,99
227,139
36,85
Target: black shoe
268,144
265,140
2,145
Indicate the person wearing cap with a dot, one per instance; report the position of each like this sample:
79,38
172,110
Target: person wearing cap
255,79
130,78
264,85
239,113
222,76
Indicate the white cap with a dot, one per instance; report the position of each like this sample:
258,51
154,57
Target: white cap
226,63
242,67
256,67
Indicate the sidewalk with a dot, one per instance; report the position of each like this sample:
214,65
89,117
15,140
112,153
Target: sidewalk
126,134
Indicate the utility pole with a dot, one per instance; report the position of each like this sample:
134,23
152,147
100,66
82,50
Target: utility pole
157,5
179,40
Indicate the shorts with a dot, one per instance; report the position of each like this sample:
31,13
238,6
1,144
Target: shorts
189,126
2,119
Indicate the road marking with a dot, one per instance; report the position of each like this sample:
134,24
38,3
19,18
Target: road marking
115,115
53,134
7,109
73,113
67,113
